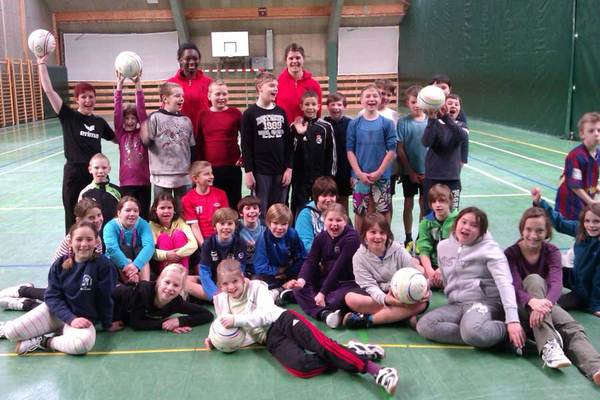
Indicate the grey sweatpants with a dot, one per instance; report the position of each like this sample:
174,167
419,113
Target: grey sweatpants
475,324
576,345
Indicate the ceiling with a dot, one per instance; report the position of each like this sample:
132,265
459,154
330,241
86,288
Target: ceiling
124,12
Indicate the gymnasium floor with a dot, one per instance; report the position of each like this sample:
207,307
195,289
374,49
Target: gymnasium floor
504,164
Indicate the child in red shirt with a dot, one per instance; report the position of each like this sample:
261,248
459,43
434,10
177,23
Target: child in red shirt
218,131
200,203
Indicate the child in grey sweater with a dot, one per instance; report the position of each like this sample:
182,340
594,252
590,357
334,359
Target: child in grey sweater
478,284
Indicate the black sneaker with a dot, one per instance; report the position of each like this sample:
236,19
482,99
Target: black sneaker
354,320
286,296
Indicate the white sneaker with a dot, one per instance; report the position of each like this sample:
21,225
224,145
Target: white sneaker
370,351
29,345
388,379
12,303
333,319
553,355
13,291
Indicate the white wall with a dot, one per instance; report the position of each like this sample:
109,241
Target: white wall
368,50
91,56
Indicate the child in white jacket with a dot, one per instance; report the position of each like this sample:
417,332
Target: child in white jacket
296,343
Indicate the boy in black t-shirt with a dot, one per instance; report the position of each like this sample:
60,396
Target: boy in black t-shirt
267,145
82,131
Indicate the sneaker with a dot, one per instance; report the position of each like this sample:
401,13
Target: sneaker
553,355
12,303
388,379
13,291
2,335
409,246
286,296
354,320
371,351
29,345
333,319
275,293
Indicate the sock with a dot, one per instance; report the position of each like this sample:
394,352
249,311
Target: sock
408,237
373,369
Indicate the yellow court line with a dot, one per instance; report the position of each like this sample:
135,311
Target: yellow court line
202,349
519,142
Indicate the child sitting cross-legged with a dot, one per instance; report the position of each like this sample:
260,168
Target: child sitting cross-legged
326,275
225,243
295,342
279,254
374,264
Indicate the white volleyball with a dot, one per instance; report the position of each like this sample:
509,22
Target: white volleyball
409,285
224,339
431,98
41,42
128,64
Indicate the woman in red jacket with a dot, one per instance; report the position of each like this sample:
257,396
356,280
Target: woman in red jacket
194,83
293,81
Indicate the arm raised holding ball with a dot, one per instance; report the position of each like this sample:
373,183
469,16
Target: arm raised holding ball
54,98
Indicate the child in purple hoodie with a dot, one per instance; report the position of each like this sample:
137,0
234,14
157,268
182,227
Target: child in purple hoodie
326,276
134,172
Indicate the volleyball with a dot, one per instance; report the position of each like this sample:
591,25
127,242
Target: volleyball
408,285
41,42
128,64
225,339
431,98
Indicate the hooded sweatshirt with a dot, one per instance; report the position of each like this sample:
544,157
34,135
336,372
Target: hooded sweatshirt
477,273
290,91
373,274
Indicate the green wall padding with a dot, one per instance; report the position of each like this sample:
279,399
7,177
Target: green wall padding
586,79
509,60
60,83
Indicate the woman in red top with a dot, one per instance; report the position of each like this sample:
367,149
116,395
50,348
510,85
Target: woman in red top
193,81
293,81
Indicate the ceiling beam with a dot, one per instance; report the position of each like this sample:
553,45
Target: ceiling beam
180,22
234,13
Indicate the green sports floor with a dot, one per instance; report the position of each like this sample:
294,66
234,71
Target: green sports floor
504,164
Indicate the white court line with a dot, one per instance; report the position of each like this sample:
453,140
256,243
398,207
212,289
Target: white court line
504,181
517,155
31,163
29,145
536,146
32,208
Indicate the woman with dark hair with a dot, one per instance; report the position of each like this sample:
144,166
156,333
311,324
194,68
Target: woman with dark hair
293,81
193,81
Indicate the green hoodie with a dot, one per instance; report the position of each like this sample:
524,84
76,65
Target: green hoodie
431,232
